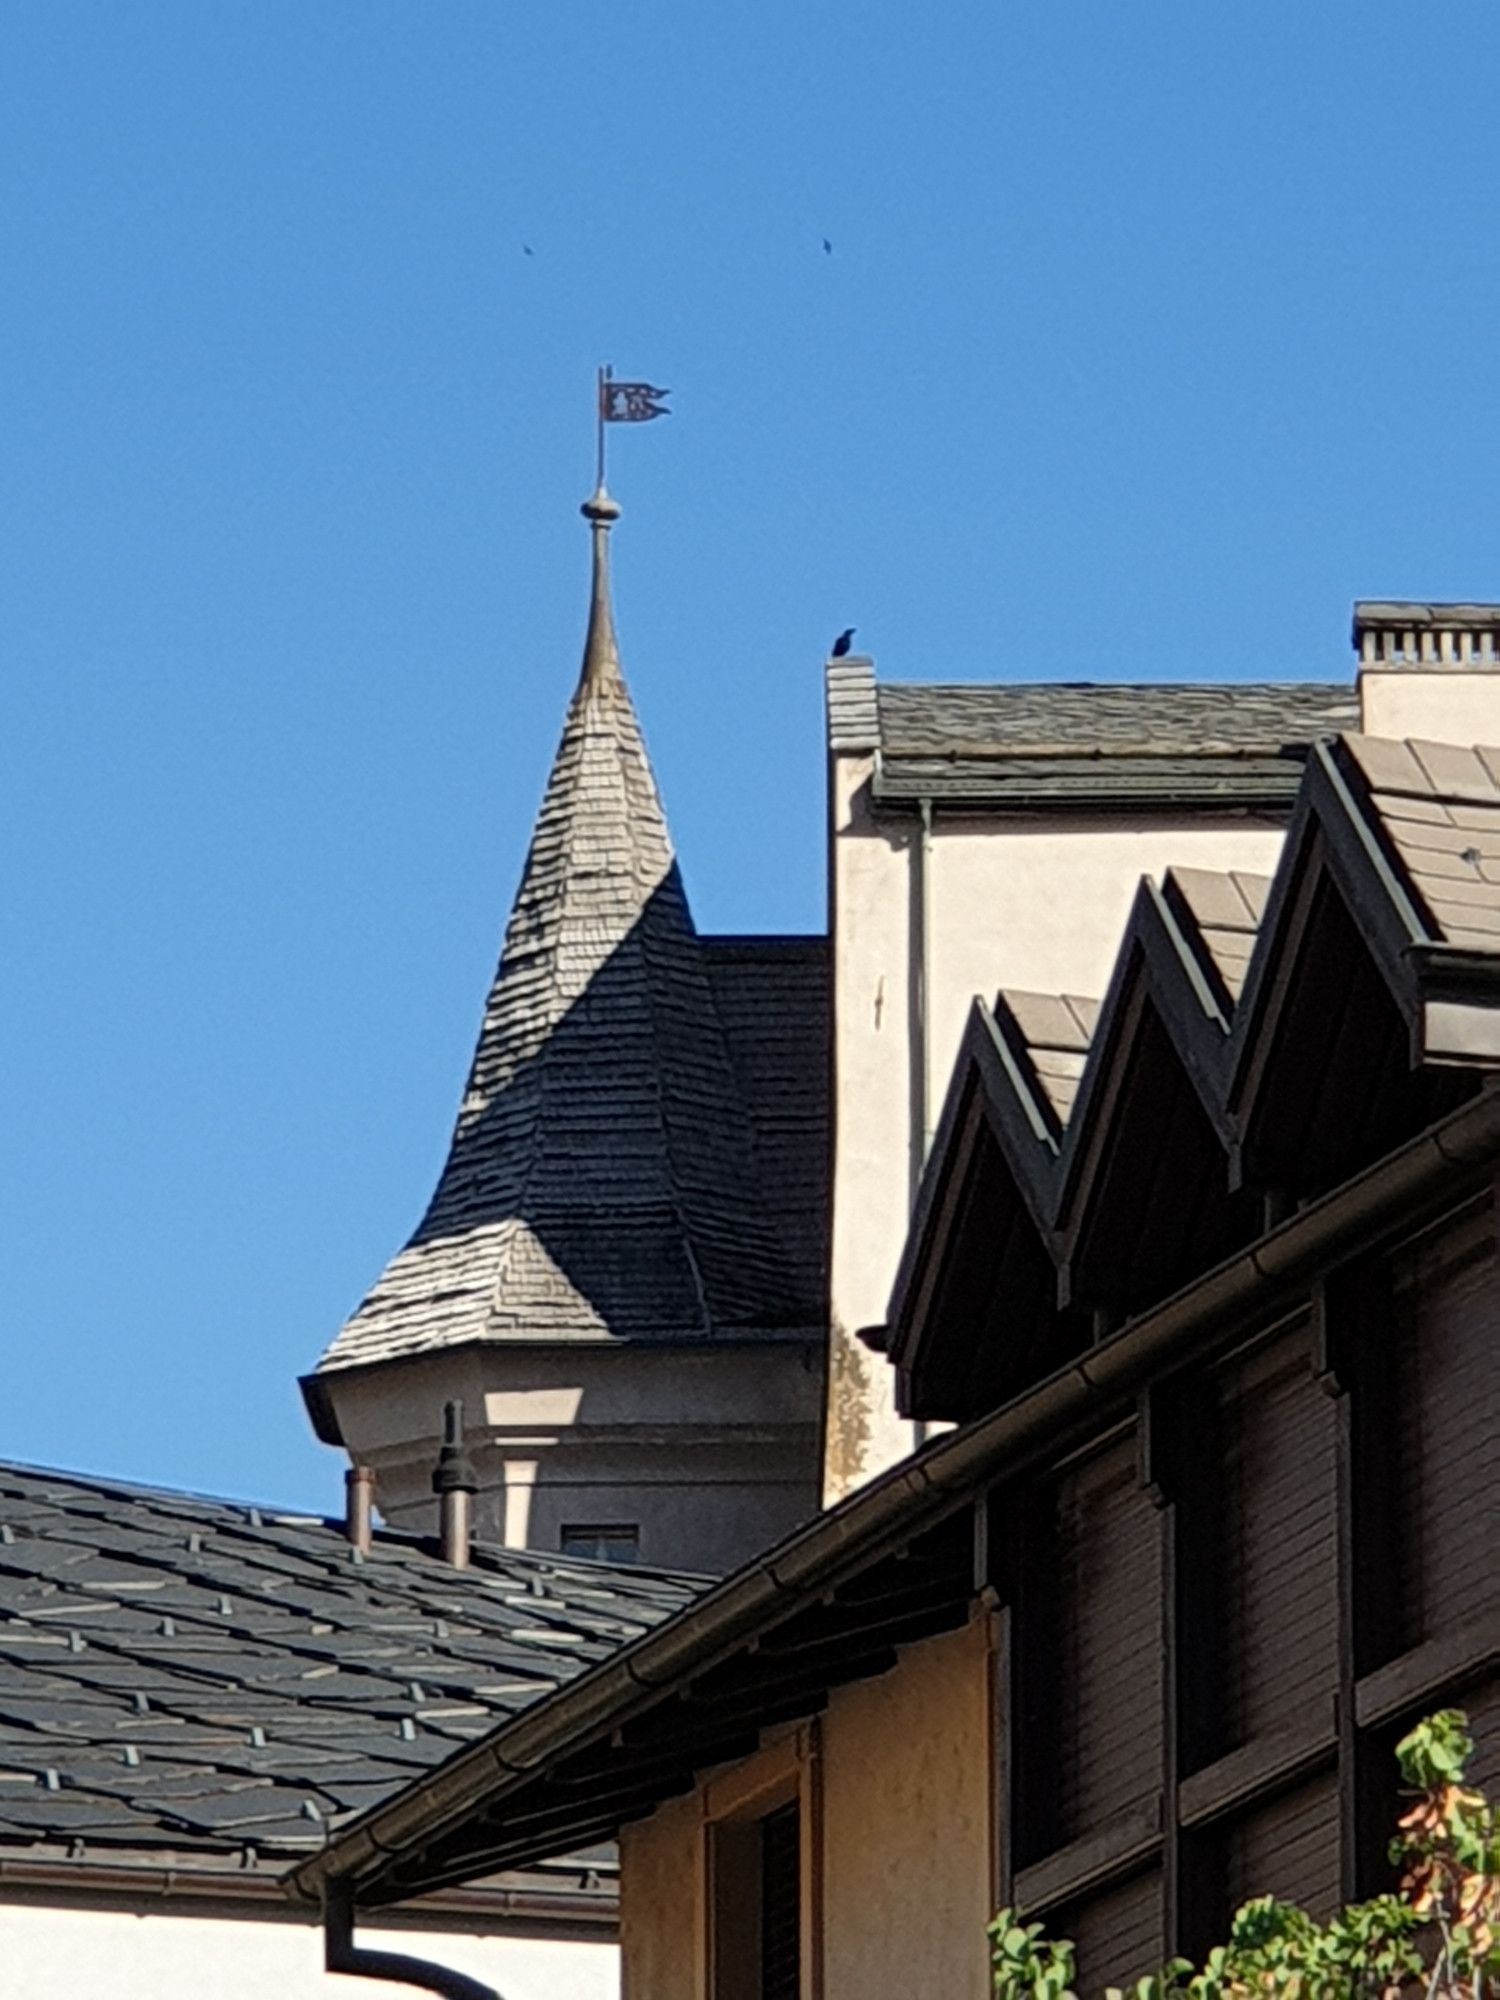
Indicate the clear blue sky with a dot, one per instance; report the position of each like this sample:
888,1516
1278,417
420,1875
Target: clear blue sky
1151,336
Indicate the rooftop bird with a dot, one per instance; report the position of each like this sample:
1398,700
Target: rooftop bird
842,644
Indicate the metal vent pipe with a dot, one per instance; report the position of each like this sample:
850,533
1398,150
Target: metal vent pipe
455,1483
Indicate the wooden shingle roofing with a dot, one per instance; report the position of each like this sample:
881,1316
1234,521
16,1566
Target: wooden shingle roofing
605,1179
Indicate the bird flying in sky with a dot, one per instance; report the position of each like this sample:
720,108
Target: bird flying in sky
842,644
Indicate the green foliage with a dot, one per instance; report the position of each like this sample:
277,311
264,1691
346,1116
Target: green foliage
1438,1939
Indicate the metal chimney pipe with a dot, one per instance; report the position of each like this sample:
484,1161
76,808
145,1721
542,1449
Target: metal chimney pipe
455,1483
359,1507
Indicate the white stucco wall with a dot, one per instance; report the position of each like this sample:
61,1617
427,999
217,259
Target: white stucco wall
1442,705
1036,903
48,1953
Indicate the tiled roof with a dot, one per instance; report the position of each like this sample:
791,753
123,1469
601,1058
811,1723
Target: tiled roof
227,1683
1225,908
604,1178
1013,745
1055,1030
1437,807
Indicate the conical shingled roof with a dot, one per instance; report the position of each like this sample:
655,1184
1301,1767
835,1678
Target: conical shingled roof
602,1180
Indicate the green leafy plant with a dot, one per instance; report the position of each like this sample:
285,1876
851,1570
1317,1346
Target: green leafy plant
1437,1938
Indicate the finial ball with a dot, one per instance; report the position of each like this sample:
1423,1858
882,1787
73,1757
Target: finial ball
600,507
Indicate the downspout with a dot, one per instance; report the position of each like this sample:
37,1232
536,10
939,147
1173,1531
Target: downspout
342,1954
920,949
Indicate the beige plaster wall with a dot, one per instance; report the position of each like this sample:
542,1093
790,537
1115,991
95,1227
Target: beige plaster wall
899,1885
661,1904
49,1953
1033,903
711,1454
906,1812
1442,705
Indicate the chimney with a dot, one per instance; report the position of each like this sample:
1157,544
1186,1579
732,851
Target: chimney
1429,670
455,1484
359,1507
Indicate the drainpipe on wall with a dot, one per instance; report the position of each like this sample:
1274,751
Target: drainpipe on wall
342,1954
919,952
919,948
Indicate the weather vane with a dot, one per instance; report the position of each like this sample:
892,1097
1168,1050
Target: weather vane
627,403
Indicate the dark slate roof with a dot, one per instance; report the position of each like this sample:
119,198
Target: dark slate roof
226,1683
604,1179
1232,745
774,998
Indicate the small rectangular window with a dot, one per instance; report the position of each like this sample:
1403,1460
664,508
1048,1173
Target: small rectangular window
615,1543
757,1906
781,1904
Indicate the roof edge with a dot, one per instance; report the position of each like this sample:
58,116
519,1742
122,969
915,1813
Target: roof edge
160,1884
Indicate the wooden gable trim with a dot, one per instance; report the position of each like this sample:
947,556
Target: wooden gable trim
988,1092
1329,838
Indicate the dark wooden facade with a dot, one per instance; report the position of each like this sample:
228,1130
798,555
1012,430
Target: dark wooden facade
1223,1606
1221,1612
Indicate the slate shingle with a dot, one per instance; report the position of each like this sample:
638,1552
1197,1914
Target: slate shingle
608,1176
1013,745
265,1726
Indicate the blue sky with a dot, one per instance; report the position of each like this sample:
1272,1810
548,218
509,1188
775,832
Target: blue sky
1152,335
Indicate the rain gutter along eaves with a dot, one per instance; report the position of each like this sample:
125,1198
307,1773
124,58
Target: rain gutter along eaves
239,1891
893,1507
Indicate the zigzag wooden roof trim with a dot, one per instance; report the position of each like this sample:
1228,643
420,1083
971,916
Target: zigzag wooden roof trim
1159,966
1329,834
1433,938
993,1088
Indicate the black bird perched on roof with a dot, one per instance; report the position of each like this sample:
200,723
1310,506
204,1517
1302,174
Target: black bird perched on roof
841,644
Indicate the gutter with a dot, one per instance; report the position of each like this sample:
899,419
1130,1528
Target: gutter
575,1913
891,1508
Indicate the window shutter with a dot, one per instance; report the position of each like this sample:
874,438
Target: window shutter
1118,1933
1288,1848
781,1904
1278,1561
1107,1670
1447,1426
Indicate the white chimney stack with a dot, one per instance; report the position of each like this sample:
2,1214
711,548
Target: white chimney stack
1430,671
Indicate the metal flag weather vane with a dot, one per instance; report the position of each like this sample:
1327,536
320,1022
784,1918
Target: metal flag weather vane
627,403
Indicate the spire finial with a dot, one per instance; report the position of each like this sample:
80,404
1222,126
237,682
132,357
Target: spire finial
601,651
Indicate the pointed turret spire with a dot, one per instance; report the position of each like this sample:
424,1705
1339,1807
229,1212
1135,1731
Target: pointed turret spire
602,1178
601,649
